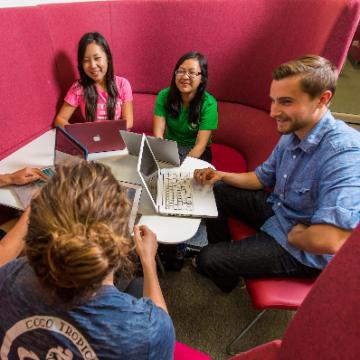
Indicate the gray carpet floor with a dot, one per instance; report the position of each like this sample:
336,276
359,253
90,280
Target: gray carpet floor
207,319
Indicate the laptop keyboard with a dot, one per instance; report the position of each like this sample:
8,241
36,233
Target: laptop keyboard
178,191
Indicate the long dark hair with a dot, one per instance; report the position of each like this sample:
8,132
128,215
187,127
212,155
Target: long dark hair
173,103
90,93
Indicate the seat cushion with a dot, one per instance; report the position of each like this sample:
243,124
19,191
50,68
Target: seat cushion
282,293
226,158
184,352
239,230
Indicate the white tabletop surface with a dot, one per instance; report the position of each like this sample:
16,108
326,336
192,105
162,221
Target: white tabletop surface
39,153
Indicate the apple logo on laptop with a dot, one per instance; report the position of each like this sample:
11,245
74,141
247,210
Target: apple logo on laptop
97,138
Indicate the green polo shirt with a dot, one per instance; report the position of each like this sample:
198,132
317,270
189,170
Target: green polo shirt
180,129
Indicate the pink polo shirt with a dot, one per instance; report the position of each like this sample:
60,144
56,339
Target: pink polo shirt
75,97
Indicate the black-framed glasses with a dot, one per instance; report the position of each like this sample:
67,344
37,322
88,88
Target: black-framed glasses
190,74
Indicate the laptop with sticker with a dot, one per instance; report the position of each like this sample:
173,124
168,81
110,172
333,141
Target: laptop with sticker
99,136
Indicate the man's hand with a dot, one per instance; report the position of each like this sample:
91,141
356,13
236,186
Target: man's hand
207,176
26,175
146,243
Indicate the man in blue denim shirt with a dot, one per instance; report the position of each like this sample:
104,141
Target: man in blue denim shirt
314,173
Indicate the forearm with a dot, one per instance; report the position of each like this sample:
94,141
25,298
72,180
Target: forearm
202,140
159,124
128,114
319,238
152,287
197,151
5,180
13,242
60,122
247,180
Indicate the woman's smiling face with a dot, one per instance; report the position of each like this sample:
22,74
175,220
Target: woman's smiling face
95,63
186,83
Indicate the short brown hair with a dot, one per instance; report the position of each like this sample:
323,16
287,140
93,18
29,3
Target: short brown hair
78,230
317,74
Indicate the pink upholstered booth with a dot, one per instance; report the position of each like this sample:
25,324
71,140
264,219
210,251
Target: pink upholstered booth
243,40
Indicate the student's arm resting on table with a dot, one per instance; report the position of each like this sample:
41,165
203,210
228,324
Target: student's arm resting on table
159,124
12,243
127,113
64,114
200,144
318,238
22,177
146,247
210,176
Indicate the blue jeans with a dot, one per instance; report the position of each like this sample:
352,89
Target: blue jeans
259,256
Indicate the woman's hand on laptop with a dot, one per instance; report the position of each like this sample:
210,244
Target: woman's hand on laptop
207,176
26,175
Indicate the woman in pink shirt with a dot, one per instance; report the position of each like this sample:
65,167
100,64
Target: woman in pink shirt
100,94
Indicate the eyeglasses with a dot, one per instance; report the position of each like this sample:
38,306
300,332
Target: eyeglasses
190,74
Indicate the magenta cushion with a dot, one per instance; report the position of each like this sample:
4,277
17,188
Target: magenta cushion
282,293
248,130
226,158
28,80
239,230
240,64
326,326
184,352
267,351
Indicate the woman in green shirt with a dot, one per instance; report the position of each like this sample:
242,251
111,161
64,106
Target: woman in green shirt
185,112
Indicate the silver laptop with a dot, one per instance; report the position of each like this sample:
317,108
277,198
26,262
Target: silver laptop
164,150
173,191
67,149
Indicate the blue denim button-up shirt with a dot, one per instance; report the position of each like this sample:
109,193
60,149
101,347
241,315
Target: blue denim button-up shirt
315,181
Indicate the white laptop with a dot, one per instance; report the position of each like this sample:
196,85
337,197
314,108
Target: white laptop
173,191
67,149
164,150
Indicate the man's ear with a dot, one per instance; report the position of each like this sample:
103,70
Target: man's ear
325,98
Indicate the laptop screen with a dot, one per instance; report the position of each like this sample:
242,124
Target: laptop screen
67,148
149,170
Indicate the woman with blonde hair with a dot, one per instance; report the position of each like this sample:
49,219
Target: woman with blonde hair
60,300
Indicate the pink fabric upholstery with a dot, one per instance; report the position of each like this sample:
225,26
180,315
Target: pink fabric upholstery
239,230
327,324
225,158
287,294
27,78
243,40
268,351
184,352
